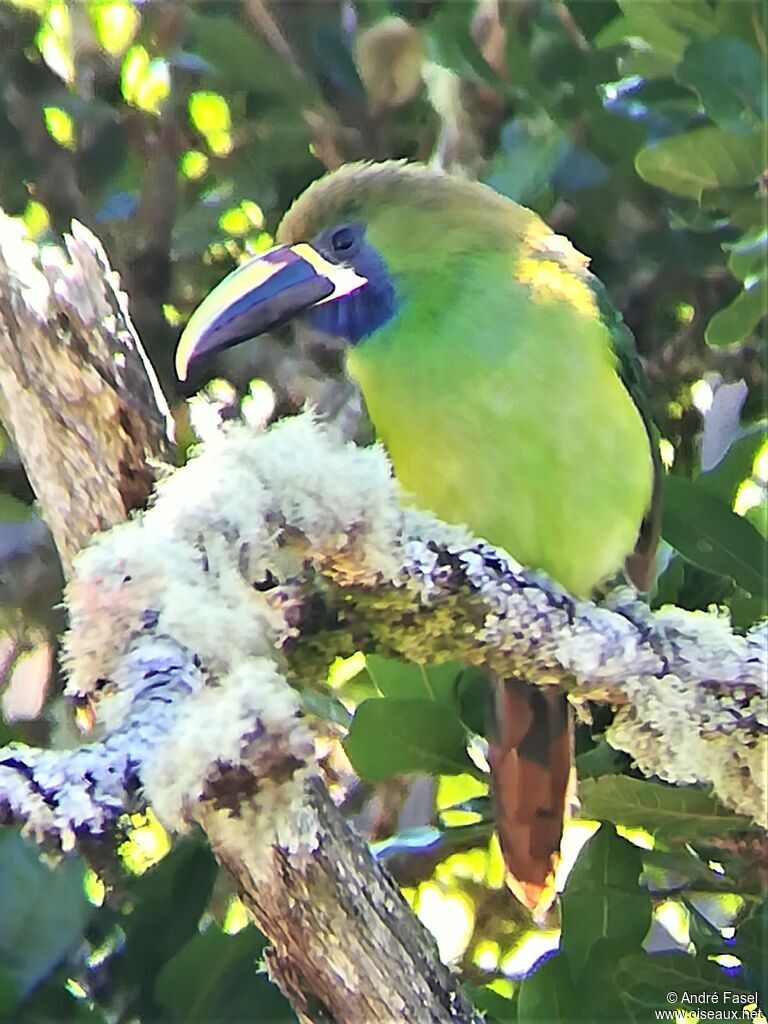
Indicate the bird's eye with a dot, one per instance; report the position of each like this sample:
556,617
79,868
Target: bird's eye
342,240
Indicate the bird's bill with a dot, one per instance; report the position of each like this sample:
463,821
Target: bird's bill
262,293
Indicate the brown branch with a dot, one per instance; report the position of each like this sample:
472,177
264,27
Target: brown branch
77,395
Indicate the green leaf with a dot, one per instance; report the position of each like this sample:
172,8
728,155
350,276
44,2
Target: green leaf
326,706
549,994
14,511
680,869
169,901
392,737
729,76
402,680
215,977
705,158
709,534
648,981
44,911
738,320
496,1008
473,697
670,582
9,995
602,759
749,254
670,813
666,27
752,948
603,902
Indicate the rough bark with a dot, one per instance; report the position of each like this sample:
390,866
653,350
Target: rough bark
77,396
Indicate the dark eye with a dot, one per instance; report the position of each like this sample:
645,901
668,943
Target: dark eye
342,239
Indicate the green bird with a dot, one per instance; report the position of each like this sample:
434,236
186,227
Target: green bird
507,392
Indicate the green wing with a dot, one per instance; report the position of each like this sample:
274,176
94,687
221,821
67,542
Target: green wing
640,566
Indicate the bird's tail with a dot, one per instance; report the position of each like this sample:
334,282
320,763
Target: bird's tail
531,757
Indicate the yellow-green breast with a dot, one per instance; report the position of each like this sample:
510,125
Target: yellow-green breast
498,399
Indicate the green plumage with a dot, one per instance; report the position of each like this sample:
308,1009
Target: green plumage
504,388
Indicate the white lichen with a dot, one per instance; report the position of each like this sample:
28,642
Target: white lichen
180,618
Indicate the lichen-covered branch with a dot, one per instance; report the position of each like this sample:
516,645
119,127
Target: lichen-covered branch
265,556
289,546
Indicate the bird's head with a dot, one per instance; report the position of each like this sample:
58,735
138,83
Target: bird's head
355,247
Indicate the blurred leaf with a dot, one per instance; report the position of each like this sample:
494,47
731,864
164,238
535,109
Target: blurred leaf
723,480
527,160
669,813
666,28
705,158
44,911
450,43
603,902
14,511
9,995
392,737
197,227
670,582
215,977
602,759
241,60
752,948
729,76
708,533
739,319
474,696
692,17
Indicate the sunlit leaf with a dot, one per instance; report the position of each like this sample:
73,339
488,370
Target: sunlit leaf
391,737
115,23
60,126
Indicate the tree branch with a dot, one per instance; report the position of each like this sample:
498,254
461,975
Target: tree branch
76,393
261,559
87,417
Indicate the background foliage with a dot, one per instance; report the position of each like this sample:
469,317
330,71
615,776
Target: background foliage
179,133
